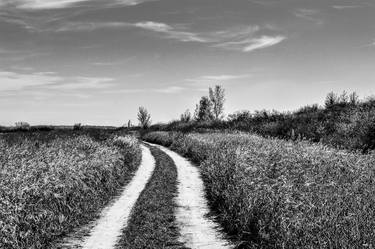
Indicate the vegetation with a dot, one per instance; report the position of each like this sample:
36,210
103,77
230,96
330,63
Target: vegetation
271,193
210,108
153,223
144,117
217,98
77,126
52,183
344,122
203,111
186,116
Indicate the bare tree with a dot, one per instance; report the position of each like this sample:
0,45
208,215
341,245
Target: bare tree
217,98
144,117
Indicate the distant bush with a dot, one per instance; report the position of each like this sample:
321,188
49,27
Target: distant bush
77,127
22,126
271,193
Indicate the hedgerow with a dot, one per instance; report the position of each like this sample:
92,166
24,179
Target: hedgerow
271,193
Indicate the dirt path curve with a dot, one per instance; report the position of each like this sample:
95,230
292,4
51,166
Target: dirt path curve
106,231
196,229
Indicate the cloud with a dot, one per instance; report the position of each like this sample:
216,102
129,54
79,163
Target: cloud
47,4
165,90
171,32
343,7
207,79
263,42
170,89
81,83
241,38
310,15
89,26
162,28
251,44
50,13
13,81
60,4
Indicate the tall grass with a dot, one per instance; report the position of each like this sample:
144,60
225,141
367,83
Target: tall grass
271,193
48,187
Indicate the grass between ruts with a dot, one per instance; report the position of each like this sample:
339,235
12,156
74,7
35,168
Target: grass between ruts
152,223
272,193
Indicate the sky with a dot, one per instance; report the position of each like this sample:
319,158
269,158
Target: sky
97,61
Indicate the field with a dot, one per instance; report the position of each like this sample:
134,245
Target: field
52,183
271,193
263,192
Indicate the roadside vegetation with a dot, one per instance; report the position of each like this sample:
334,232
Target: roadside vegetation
272,193
51,183
344,122
153,223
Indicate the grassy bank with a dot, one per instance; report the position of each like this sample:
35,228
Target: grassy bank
52,184
152,224
271,193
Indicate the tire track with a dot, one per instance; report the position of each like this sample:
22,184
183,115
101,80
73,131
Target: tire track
106,231
153,222
196,229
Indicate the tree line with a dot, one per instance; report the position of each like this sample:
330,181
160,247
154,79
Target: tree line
344,121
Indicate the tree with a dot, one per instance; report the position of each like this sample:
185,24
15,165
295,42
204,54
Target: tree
331,99
354,98
144,118
77,126
22,125
203,110
343,99
217,98
130,124
186,116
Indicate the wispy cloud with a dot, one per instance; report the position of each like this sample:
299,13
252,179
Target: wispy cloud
161,28
88,26
51,13
171,32
221,78
251,44
242,38
165,90
310,15
263,42
60,4
82,83
343,7
14,81
170,89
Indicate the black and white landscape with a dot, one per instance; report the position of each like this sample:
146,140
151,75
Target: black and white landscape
235,124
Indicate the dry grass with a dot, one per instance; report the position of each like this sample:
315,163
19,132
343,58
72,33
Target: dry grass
271,193
48,187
